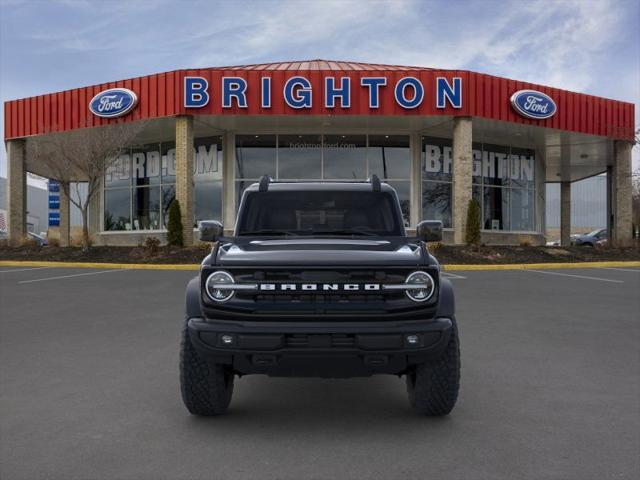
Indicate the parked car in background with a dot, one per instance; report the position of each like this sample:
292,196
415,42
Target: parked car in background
591,239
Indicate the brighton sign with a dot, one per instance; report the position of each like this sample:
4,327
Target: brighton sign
113,103
298,93
533,104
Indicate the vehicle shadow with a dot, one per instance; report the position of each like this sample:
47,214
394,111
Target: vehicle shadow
269,406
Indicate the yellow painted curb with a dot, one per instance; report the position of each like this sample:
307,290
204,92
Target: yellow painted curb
132,266
525,266
195,266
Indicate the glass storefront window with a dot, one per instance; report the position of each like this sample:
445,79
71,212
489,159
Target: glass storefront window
146,208
207,159
495,165
436,202
389,156
522,167
255,156
117,209
521,210
146,165
118,174
496,208
344,157
208,201
299,157
168,162
168,195
437,161
500,176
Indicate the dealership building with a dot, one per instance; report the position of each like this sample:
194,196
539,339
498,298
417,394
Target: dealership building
439,137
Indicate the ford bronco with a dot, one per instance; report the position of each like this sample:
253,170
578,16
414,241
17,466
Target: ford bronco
319,280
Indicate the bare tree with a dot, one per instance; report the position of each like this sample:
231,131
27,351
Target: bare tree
84,156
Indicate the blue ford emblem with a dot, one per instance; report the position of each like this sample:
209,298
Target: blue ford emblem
533,104
114,102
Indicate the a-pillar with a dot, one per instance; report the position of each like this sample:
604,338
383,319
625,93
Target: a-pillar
65,215
16,191
184,175
462,175
620,204
565,213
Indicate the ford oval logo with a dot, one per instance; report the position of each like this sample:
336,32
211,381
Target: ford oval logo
533,104
114,102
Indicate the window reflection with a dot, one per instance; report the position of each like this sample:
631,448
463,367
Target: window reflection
345,157
299,157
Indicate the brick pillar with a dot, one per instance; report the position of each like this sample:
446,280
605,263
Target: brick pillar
621,185
416,179
228,183
565,213
65,216
184,174
16,191
462,175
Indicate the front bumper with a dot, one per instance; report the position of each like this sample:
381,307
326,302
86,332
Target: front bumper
319,349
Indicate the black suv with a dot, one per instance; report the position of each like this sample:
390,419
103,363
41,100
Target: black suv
319,280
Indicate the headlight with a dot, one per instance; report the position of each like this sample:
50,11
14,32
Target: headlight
215,286
426,283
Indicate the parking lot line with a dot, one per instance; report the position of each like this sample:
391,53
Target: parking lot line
575,276
452,275
70,276
637,270
23,269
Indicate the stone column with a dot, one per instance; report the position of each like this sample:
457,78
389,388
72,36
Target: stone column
416,179
184,174
65,216
462,175
16,191
620,234
565,213
228,182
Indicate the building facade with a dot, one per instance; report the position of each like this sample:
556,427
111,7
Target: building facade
439,137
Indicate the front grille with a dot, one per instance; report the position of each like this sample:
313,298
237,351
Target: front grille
319,299
320,341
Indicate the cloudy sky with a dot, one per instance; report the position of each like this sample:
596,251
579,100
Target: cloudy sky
591,46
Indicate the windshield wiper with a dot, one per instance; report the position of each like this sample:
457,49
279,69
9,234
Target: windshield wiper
268,231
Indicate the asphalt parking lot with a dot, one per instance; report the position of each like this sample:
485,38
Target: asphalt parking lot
89,388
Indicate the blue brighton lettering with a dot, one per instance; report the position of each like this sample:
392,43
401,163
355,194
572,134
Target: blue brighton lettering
195,92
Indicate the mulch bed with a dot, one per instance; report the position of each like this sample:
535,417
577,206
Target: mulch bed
446,254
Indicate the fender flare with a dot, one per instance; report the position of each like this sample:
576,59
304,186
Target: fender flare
446,299
192,299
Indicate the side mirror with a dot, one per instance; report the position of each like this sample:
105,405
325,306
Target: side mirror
429,231
210,230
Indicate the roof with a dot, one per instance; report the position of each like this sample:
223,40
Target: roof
320,64
163,95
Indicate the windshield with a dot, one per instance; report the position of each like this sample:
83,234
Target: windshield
327,212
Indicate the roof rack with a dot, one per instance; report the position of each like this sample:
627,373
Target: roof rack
375,183
264,183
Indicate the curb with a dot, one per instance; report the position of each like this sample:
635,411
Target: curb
196,266
549,266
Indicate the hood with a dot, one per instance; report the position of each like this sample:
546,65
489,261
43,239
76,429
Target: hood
395,251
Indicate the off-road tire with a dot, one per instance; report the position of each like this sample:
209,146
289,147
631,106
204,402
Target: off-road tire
433,386
206,387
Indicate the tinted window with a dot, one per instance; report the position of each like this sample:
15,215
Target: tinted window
320,212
